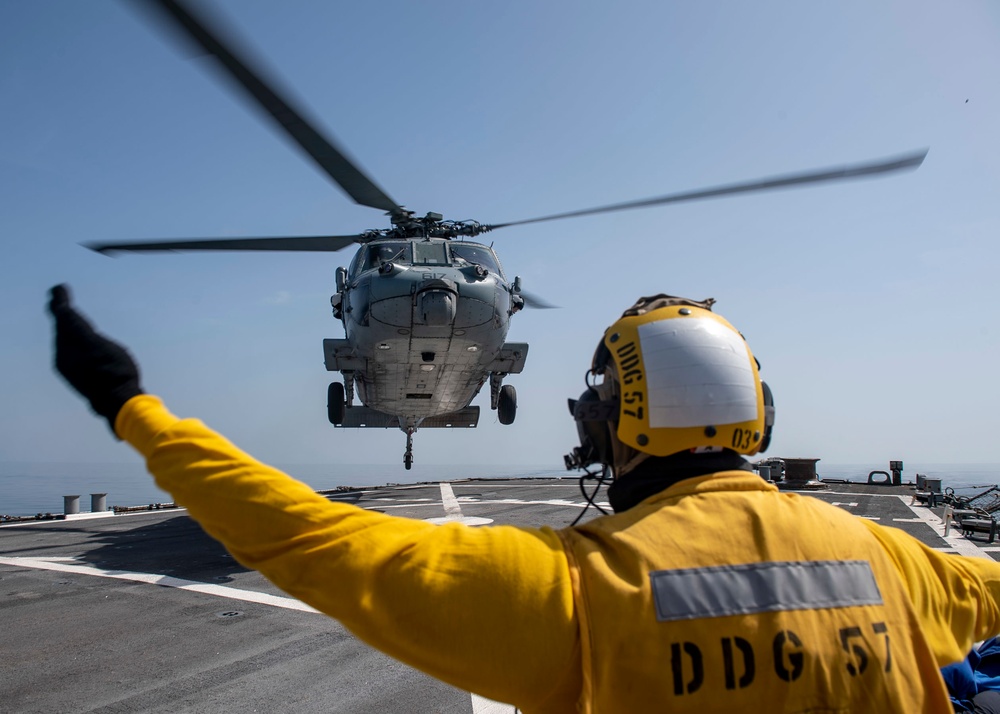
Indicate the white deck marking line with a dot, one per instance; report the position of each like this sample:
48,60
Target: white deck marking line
482,705
869,495
60,519
87,516
450,503
955,540
56,558
492,483
165,580
396,499
501,501
453,511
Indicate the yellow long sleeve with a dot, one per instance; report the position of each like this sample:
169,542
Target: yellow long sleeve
489,610
956,598
548,620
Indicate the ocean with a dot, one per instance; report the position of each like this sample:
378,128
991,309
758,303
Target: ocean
30,488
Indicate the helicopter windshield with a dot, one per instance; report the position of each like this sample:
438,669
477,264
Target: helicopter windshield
476,254
381,253
427,253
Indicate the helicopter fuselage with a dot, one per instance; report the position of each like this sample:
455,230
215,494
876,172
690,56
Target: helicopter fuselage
425,323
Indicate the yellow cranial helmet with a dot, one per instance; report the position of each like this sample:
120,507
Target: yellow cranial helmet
676,377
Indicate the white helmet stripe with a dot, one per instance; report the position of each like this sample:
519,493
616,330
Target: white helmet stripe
701,373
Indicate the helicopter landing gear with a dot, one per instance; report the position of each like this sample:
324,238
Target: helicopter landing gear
349,386
503,398
335,403
496,380
408,454
507,404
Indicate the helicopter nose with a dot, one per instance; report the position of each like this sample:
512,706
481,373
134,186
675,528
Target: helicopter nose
437,307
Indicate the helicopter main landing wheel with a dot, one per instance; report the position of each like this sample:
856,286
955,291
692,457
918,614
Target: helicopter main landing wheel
335,403
507,404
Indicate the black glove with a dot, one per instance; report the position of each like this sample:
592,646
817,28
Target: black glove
101,370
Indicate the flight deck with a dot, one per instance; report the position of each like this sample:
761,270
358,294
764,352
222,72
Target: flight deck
143,612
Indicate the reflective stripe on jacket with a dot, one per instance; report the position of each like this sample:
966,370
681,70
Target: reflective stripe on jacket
722,593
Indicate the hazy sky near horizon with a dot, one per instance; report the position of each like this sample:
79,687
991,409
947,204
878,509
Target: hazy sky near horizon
869,304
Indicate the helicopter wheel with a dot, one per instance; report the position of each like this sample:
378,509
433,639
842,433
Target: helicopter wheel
507,404
335,404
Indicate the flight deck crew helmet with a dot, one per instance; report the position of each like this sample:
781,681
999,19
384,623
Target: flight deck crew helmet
676,377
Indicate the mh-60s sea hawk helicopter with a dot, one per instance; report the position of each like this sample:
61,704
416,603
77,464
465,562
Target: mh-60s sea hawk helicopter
425,309
425,322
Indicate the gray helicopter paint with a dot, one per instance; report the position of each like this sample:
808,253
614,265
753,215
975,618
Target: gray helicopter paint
423,339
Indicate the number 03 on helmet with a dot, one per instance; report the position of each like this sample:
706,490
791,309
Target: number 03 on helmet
682,379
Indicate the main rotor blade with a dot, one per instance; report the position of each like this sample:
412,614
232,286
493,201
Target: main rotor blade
294,243
235,61
842,173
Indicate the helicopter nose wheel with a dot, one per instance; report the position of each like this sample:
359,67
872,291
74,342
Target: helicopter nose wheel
408,454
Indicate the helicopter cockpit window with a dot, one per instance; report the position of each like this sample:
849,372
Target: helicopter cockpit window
477,255
428,253
381,253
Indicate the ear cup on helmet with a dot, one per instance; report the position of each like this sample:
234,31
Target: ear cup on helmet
768,417
595,437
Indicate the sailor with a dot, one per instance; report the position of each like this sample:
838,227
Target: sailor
708,590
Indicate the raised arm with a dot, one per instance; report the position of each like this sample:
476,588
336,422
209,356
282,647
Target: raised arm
489,610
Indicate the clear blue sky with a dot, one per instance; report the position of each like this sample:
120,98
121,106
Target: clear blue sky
871,305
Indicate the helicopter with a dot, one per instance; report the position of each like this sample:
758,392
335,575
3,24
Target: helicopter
425,307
